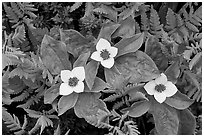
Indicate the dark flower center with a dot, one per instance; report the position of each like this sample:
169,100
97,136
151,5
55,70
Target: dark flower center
105,54
160,88
73,81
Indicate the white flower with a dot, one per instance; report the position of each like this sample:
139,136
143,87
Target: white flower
161,88
72,81
104,53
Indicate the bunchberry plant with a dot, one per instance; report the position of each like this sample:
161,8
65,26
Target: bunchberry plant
113,68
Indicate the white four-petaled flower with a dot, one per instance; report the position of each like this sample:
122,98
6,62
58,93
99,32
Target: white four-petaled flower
105,53
72,81
161,88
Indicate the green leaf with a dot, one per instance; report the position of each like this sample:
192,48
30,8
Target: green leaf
138,108
195,60
107,11
51,93
91,70
179,101
75,42
136,93
107,30
187,122
43,122
115,80
82,59
165,118
128,45
88,104
126,29
173,71
54,55
138,66
67,102
99,85
33,114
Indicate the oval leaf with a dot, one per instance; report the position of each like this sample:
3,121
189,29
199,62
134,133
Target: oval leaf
138,108
91,70
165,118
75,42
187,122
54,55
128,45
107,30
99,85
126,29
82,59
51,93
67,102
115,80
179,101
88,104
173,71
138,66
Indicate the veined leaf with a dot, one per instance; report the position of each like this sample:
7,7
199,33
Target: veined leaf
166,119
173,71
187,122
51,93
99,85
138,108
128,45
82,59
138,66
54,55
107,30
126,29
179,101
67,102
88,104
115,80
91,70
75,42
195,59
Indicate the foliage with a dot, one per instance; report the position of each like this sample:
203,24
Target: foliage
41,39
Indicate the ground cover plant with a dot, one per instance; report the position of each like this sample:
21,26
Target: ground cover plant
130,68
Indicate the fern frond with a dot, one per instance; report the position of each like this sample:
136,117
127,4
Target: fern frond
34,98
88,9
97,124
13,122
170,20
75,6
25,94
119,104
17,8
155,26
19,35
112,98
145,26
13,17
131,128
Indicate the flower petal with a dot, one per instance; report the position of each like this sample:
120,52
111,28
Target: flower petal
160,97
171,89
108,63
102,44
113,51
79,87
96,56
162,79
65,75
65,89
79,72
150,87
